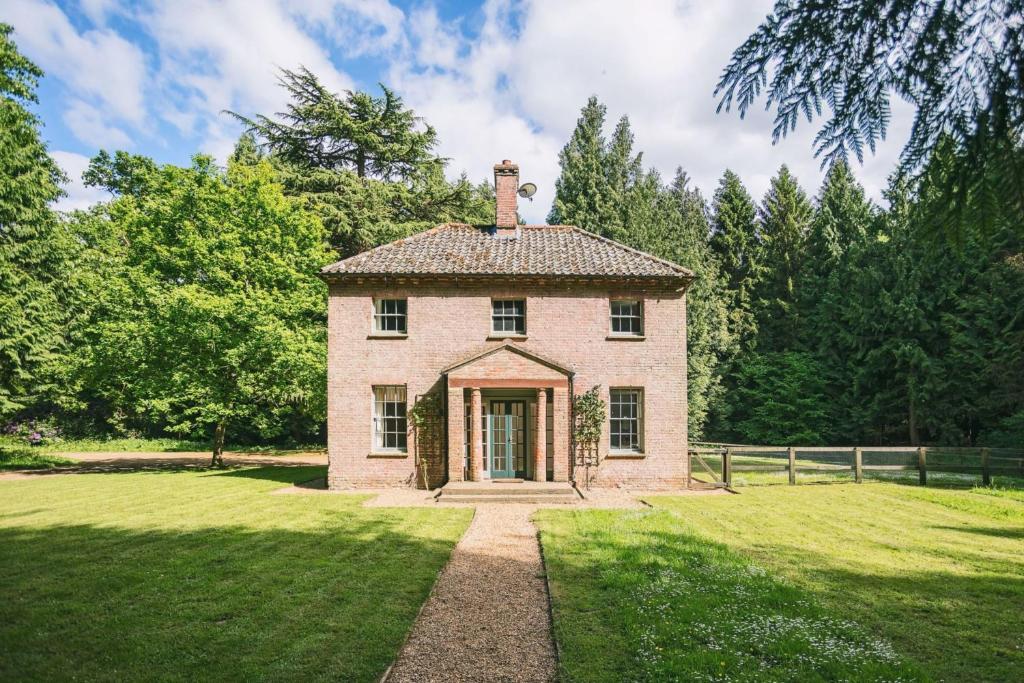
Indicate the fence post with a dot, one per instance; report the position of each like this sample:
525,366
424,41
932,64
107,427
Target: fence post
858,466
792,465
922,466
986,475
727,468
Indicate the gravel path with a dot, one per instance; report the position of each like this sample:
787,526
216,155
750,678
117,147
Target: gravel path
487,618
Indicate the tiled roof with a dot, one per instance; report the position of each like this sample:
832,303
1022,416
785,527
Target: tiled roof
536,250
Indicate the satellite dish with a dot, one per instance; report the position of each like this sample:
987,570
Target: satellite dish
527,190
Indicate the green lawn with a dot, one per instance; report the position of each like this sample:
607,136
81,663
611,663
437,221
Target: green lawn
139,445
203,575
28,458
840,582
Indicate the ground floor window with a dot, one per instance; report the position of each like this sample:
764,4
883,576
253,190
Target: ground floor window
626,412
389,420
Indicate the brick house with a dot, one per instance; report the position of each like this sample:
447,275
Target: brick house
499,325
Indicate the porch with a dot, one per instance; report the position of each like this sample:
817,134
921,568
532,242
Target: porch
507,417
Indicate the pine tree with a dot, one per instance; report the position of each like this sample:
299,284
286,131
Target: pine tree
680,234
32,244
785,217
958,63
365,165
734,241
582,192
376,137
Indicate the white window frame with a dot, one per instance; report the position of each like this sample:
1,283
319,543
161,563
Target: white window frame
395,424
634,320
615,405
508,312
399,312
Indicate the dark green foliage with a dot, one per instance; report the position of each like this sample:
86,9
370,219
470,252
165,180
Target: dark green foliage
779,399
785,219
33,247
365,165
206,314
958,63
734,241
604,188
376,137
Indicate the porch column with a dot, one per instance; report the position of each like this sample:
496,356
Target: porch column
540,437
456,434
560,427
476,446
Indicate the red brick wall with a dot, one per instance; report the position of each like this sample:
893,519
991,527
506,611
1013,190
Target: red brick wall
566,324
506,185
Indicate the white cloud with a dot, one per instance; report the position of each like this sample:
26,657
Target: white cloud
96,63
78,195
88,125
516,91
506,81
227,56
358,27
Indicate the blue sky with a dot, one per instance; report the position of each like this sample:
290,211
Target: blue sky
498,79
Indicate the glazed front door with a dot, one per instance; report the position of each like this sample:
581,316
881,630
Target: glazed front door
506,426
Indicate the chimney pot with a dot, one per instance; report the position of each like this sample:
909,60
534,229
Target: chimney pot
506,189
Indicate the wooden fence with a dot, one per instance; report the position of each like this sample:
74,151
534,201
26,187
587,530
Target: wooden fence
722,464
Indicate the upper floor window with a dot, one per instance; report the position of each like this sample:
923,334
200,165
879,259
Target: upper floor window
389,419
389,315
627,317
626,413
508,316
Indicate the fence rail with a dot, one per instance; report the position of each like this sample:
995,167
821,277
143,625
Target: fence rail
719,464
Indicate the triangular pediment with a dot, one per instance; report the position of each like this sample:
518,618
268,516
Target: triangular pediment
507,361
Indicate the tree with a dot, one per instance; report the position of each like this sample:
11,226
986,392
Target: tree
32,244
958,63
376,137
779,398
679,230
213,319
785,220
734,241
365,165
582,191
603,187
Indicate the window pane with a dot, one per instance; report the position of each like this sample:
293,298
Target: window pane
624,419
389,417
390,315
508,315
626,317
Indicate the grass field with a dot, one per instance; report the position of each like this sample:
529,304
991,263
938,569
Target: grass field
143,445
840,582
26,458
203,575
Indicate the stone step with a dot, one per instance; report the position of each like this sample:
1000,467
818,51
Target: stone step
508,491
525,498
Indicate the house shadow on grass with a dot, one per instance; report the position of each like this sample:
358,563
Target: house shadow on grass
214,603
287,474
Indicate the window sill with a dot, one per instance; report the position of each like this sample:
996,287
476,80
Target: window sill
626,455
625,337
495,336
388,454
387,335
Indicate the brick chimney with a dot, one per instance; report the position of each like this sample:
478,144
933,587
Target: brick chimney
506,187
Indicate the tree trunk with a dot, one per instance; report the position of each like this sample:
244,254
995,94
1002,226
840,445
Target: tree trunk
218,445
915,438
